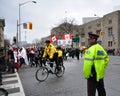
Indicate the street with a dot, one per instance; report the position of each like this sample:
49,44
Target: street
72,83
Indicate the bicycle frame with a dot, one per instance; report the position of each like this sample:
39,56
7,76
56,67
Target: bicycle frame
47,65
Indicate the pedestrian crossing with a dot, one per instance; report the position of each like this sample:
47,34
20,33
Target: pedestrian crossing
12,83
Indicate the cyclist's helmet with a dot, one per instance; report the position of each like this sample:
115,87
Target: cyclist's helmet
47,41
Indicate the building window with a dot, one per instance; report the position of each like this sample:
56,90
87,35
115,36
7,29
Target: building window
110,31
77,35
82,43
89,27
82,35
109,43
99,25
89,32
82,29
110,21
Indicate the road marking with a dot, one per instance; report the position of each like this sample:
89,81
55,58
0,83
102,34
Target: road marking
12,83
9,79
9,86
21,87
16,94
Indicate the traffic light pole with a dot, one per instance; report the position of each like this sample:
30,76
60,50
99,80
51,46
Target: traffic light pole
21,4
19,26
17,34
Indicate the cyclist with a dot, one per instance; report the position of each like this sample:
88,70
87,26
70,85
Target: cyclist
59,60
49,52
60,54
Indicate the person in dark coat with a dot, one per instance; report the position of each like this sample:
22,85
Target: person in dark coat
11,65
77,52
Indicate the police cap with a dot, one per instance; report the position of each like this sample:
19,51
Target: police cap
93,36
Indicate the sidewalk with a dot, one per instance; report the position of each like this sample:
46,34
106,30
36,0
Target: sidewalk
12,83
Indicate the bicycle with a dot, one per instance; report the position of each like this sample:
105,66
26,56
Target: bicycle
43,72
3,92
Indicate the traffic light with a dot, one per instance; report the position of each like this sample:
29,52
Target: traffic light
25,25
30,25
14,39
101,33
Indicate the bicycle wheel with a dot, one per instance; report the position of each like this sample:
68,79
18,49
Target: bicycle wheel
60,72
3,92
41,74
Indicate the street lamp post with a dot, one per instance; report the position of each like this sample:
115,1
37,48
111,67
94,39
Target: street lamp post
101,29
20,4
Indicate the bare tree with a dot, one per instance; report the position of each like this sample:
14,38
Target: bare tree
66,27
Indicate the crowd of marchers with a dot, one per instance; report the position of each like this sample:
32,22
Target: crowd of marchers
13,58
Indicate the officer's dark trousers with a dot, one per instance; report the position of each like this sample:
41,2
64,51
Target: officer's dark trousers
92,85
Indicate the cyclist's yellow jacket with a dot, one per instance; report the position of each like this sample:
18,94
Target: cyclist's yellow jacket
49,51
59,53
95,56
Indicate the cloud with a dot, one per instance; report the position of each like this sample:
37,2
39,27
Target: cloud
46,14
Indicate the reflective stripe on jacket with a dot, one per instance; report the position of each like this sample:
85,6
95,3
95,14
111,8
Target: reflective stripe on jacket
96,57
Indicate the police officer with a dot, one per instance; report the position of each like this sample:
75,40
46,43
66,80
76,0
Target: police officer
49,51
95,62
59,57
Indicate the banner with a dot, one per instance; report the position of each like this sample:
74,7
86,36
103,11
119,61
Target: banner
64,42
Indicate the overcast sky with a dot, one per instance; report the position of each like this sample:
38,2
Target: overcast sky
46,14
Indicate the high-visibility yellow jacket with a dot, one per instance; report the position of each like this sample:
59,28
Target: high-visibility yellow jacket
49,51
95,56
60,53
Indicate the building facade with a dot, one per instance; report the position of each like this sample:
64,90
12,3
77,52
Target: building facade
2,25
108,27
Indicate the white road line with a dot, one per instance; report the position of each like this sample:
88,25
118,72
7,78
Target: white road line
13,85
4,75
16,94
9,86
21,87
10,79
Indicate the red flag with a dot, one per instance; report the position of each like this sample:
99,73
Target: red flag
53,39
67,36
